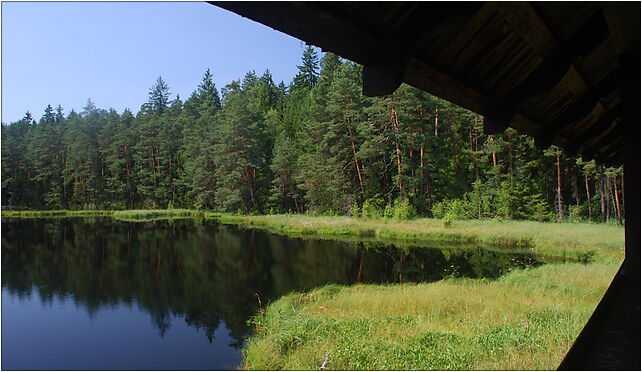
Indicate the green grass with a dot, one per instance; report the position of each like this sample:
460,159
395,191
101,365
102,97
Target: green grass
56,213
127,215
155,214
601,242
576,240
526,320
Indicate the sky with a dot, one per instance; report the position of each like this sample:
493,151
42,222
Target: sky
113,52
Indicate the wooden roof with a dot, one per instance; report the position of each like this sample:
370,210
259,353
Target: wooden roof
552,70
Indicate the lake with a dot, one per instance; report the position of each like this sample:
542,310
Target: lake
97,293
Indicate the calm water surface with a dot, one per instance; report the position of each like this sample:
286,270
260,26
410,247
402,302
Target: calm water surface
95,293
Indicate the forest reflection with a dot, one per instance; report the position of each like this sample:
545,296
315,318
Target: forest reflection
205,272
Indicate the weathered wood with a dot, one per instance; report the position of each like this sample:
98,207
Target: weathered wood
524,65
379,80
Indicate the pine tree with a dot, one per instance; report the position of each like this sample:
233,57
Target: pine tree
308,75
159,96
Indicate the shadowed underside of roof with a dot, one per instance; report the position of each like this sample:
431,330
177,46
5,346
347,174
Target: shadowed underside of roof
566,73
550,70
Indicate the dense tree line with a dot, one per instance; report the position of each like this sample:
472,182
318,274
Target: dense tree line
317,145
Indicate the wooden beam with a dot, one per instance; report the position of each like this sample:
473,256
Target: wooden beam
557,63
577,111
599,127
380,79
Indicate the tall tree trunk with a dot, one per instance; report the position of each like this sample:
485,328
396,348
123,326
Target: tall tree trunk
588,196
617,199
437,121
356,160
475,149
623,201
600,187
560,207
607,196
421,165
492,139
395,129
510,157
470,142
576,189
609,190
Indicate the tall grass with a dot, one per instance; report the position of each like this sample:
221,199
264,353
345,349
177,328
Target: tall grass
577,240
585,241
525,320
154,214
56,213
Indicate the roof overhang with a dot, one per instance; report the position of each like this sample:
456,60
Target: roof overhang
555,71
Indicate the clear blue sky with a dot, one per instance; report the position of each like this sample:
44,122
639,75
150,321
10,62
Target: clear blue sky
65,52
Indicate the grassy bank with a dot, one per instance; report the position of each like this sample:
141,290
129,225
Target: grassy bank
525,320
56,213
126,215
603,242
600,242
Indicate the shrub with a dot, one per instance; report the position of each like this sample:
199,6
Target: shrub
447,221
355,210
403,210
372,208
457,209
577,213
439,210
389,211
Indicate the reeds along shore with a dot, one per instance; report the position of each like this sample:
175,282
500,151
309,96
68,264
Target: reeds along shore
527,319
602,242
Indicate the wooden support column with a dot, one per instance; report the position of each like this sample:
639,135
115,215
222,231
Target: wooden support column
380,79
611,338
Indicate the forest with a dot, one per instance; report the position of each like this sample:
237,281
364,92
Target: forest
316,145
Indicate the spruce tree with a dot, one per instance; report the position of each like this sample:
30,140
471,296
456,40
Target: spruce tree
159,96
308,74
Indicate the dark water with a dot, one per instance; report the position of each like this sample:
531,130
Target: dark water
102,294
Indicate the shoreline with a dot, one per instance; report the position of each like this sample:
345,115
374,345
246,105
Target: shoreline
526,319
584,241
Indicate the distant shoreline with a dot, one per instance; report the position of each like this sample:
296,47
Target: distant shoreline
587,241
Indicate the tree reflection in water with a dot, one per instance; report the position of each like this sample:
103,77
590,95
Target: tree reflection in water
205,272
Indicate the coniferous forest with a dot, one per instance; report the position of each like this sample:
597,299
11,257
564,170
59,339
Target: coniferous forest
316,145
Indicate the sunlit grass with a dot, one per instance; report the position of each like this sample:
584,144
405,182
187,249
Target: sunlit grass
153,214
56,213
604,241
525,320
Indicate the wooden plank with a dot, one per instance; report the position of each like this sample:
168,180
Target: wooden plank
525,20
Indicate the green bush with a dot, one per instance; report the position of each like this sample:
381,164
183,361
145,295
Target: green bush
388,211
403,210
372,208
577,213
440,209
457,209
447,221
355,211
